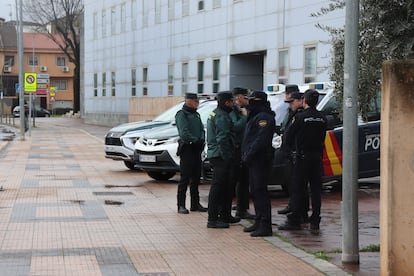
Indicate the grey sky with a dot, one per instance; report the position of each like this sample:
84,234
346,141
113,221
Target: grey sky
5,7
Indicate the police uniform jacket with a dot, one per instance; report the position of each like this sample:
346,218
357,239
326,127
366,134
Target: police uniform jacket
307,132
257,141
189,125
219,134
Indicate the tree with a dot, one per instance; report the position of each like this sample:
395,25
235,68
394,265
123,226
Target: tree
386,32
61,21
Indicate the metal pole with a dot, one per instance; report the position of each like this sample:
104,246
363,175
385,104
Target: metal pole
350,247
19,14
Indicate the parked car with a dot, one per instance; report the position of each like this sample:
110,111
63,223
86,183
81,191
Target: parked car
156,150
37,111
368,149
120,140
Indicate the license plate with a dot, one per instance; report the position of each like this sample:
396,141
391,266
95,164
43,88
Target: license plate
147,158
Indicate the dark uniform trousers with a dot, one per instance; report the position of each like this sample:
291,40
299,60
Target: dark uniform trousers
258,177
219,189
190,167
307,169
239,183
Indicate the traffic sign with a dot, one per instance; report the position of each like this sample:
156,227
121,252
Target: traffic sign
30,84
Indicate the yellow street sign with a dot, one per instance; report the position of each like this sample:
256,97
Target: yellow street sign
30,84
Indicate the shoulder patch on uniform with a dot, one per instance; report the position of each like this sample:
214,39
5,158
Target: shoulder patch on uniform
212,114
262,123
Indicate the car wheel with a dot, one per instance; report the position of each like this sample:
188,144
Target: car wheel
129,165
161,176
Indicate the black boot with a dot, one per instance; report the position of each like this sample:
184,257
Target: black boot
314,225
252,227
284,211
181,204
182,210
198,207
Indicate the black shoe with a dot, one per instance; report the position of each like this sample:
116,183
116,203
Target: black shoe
284,211
314,229
234,207
231,219
289,226
183,210
261,233
251,228
217,224
244,215
199,208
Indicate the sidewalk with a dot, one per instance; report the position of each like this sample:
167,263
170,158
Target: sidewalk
66,210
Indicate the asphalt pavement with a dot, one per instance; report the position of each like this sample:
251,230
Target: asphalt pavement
65,209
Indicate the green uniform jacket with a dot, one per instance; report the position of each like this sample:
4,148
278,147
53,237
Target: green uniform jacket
239,124
219,135
189,125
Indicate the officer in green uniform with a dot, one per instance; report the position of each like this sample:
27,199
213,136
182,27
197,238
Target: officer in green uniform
191,144
220,154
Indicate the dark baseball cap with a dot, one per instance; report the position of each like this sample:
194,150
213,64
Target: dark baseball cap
224,96
294,96
258,95
290,88
191,96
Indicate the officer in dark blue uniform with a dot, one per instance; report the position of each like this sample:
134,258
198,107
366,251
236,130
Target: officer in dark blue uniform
257,154
306,135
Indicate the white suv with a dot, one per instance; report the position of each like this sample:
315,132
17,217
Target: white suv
156,150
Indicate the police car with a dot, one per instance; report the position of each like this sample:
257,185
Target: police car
368,151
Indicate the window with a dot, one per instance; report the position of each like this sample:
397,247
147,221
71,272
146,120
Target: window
170,79
216,75
144,74
134,14
145,13
171,9
157,11
60,85
283,66
95,25
310,64
201,5
104,84
200,77
9,60
113,20
133,82
123,18
103,23
185,8
95,85
60,61
144,81
113,84
184,78
33,60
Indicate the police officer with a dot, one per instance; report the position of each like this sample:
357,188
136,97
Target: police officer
306,135
220,153
191,144
289,89
257,154
239,172
295,102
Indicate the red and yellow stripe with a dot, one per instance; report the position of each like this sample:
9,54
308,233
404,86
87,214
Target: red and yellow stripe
332,155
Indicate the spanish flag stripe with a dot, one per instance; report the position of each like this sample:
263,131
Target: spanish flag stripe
332,149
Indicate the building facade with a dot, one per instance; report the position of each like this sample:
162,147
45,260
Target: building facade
41,56
158,48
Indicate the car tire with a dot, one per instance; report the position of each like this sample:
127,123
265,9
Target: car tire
130,165
161,176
